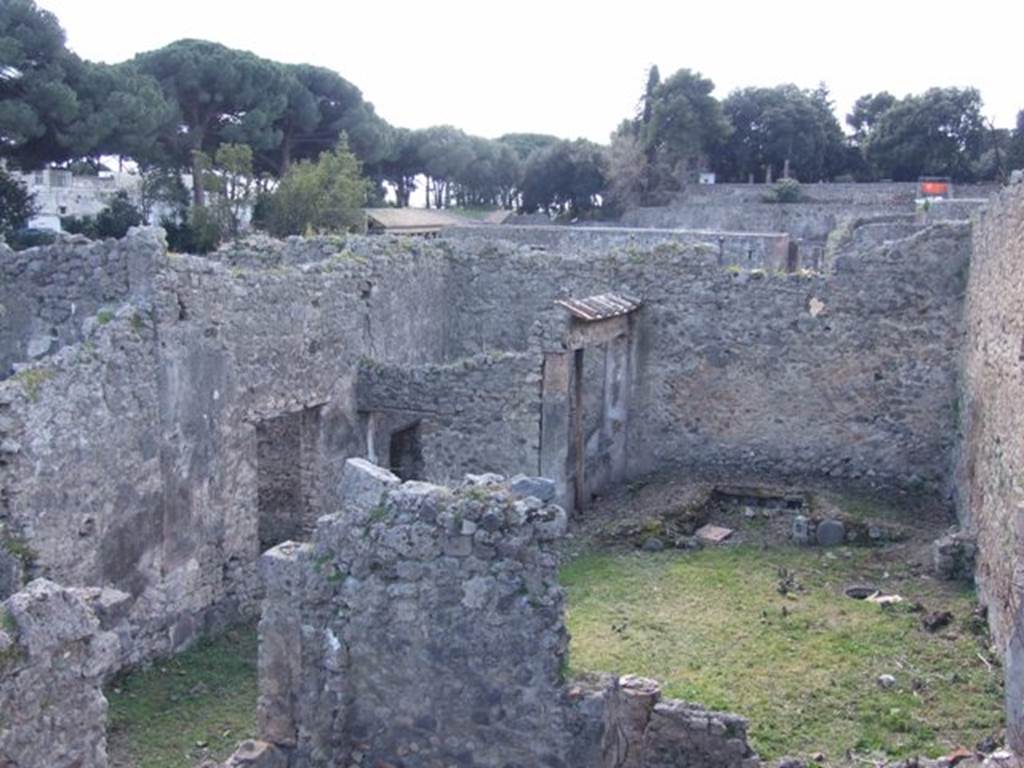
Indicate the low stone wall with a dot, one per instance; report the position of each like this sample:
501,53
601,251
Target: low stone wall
640,729
53,658
425,627
46,293
887,193
808,222
740,247
991,452
953,210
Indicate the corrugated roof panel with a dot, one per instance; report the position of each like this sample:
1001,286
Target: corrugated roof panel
600,307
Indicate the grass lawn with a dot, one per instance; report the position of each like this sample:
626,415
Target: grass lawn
183,710
714,629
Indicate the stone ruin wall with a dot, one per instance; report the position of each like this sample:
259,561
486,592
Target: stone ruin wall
478,414
56,646
46,293
849,375
425,627
990,463
131,458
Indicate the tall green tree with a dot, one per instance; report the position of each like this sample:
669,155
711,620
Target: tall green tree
567,178
866,112
221,96
402,165
38,103
940,132
120,112
325,196
320,106
445,152
1015,151
677,128
779,131
685,124
55,107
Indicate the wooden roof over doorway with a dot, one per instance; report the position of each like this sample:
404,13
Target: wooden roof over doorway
600,307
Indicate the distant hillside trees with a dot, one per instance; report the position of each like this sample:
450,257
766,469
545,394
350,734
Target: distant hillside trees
178,110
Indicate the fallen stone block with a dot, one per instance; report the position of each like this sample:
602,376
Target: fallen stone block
362,487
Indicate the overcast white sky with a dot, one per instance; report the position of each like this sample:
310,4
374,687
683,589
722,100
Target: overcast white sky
577,68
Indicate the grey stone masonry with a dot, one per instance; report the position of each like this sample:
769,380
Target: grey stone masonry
424,626
142,452
640,729
54,655
990,457
424,630
47,293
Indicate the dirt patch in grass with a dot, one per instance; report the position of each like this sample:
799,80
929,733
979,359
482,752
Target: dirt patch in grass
714,627
187,709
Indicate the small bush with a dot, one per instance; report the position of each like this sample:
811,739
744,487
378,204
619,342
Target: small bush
21,239
201,233
321,197
113,221
785,191
17,206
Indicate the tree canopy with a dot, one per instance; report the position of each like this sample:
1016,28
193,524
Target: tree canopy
177,108
565,178
780,131
325,196
941,132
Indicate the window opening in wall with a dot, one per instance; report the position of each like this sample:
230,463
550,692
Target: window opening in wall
405,454
288,459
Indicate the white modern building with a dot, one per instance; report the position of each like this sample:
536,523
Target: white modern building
59,193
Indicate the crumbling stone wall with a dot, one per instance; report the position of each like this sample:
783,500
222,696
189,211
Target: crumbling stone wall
46,293
481,413
130,458
54,654
991,453
81,478
435,632
849,375
425,627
